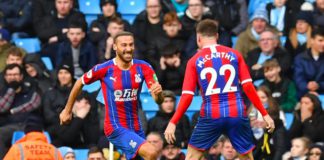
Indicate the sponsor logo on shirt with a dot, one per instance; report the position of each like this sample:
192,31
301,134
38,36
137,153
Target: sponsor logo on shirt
126,95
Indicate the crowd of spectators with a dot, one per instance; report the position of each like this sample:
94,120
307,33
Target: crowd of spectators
282,42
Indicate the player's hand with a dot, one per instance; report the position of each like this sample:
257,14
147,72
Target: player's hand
169,133
156,88
270,124
65,117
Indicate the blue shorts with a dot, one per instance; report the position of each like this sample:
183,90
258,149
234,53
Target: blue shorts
128,141
238,130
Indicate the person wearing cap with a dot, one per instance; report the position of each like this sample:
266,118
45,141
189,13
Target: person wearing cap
34,144
299,36
98,28
166,110
172,67
248,39
19,101
67,153
172,151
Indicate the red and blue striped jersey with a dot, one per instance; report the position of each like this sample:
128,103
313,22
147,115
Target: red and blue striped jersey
121,90
219,71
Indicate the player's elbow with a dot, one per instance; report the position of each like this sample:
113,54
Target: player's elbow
152,154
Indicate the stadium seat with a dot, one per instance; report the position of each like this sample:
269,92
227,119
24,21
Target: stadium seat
283,40
89,18
81,154
145,89
289,120
31,45
16,136
150,114
148,103
48,63
92,87
234,39
90,6
100,97
321,97
131,6
195,104
129,17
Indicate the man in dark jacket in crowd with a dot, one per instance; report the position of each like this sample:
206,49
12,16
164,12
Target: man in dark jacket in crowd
163,116
18,101
78,51
309,66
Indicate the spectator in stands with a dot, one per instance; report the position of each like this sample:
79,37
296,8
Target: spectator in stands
14,55
172,151
172,69
19,101
147,23
156,140
214,153
95,153
178,6
268,48
37,72
98,28
268,145
77,51
299,149
173,33
309,66
195,12
83,131
105,46
319,13
283,89
316,152
33,145
228,151
163,116
4,45
248,39
53,27
280,16
67,153
15,16
299,36
308,120
232,15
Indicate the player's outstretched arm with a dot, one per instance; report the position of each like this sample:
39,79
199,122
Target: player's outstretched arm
254,98
156,92
66,114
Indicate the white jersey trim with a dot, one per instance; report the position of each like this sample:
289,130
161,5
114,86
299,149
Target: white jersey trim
188,92
247,80
82,80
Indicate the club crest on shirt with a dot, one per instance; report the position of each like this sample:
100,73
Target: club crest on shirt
132,143
138,78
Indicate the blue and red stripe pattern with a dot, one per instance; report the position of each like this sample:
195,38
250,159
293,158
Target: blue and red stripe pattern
121,90
219,71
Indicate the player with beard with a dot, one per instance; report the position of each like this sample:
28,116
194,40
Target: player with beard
121,81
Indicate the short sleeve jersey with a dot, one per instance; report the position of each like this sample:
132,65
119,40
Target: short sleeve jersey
219,71
121,90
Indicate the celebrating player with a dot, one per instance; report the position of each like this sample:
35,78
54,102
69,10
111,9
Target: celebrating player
219,71
121,81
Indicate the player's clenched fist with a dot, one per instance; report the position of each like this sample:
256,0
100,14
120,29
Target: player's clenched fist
156,88
65,117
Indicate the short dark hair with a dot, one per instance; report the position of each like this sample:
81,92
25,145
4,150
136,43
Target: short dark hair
116,20
94,149
270,63
207,27
83,95
317,31
15,51
78,23
169,50
123,33
12,66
